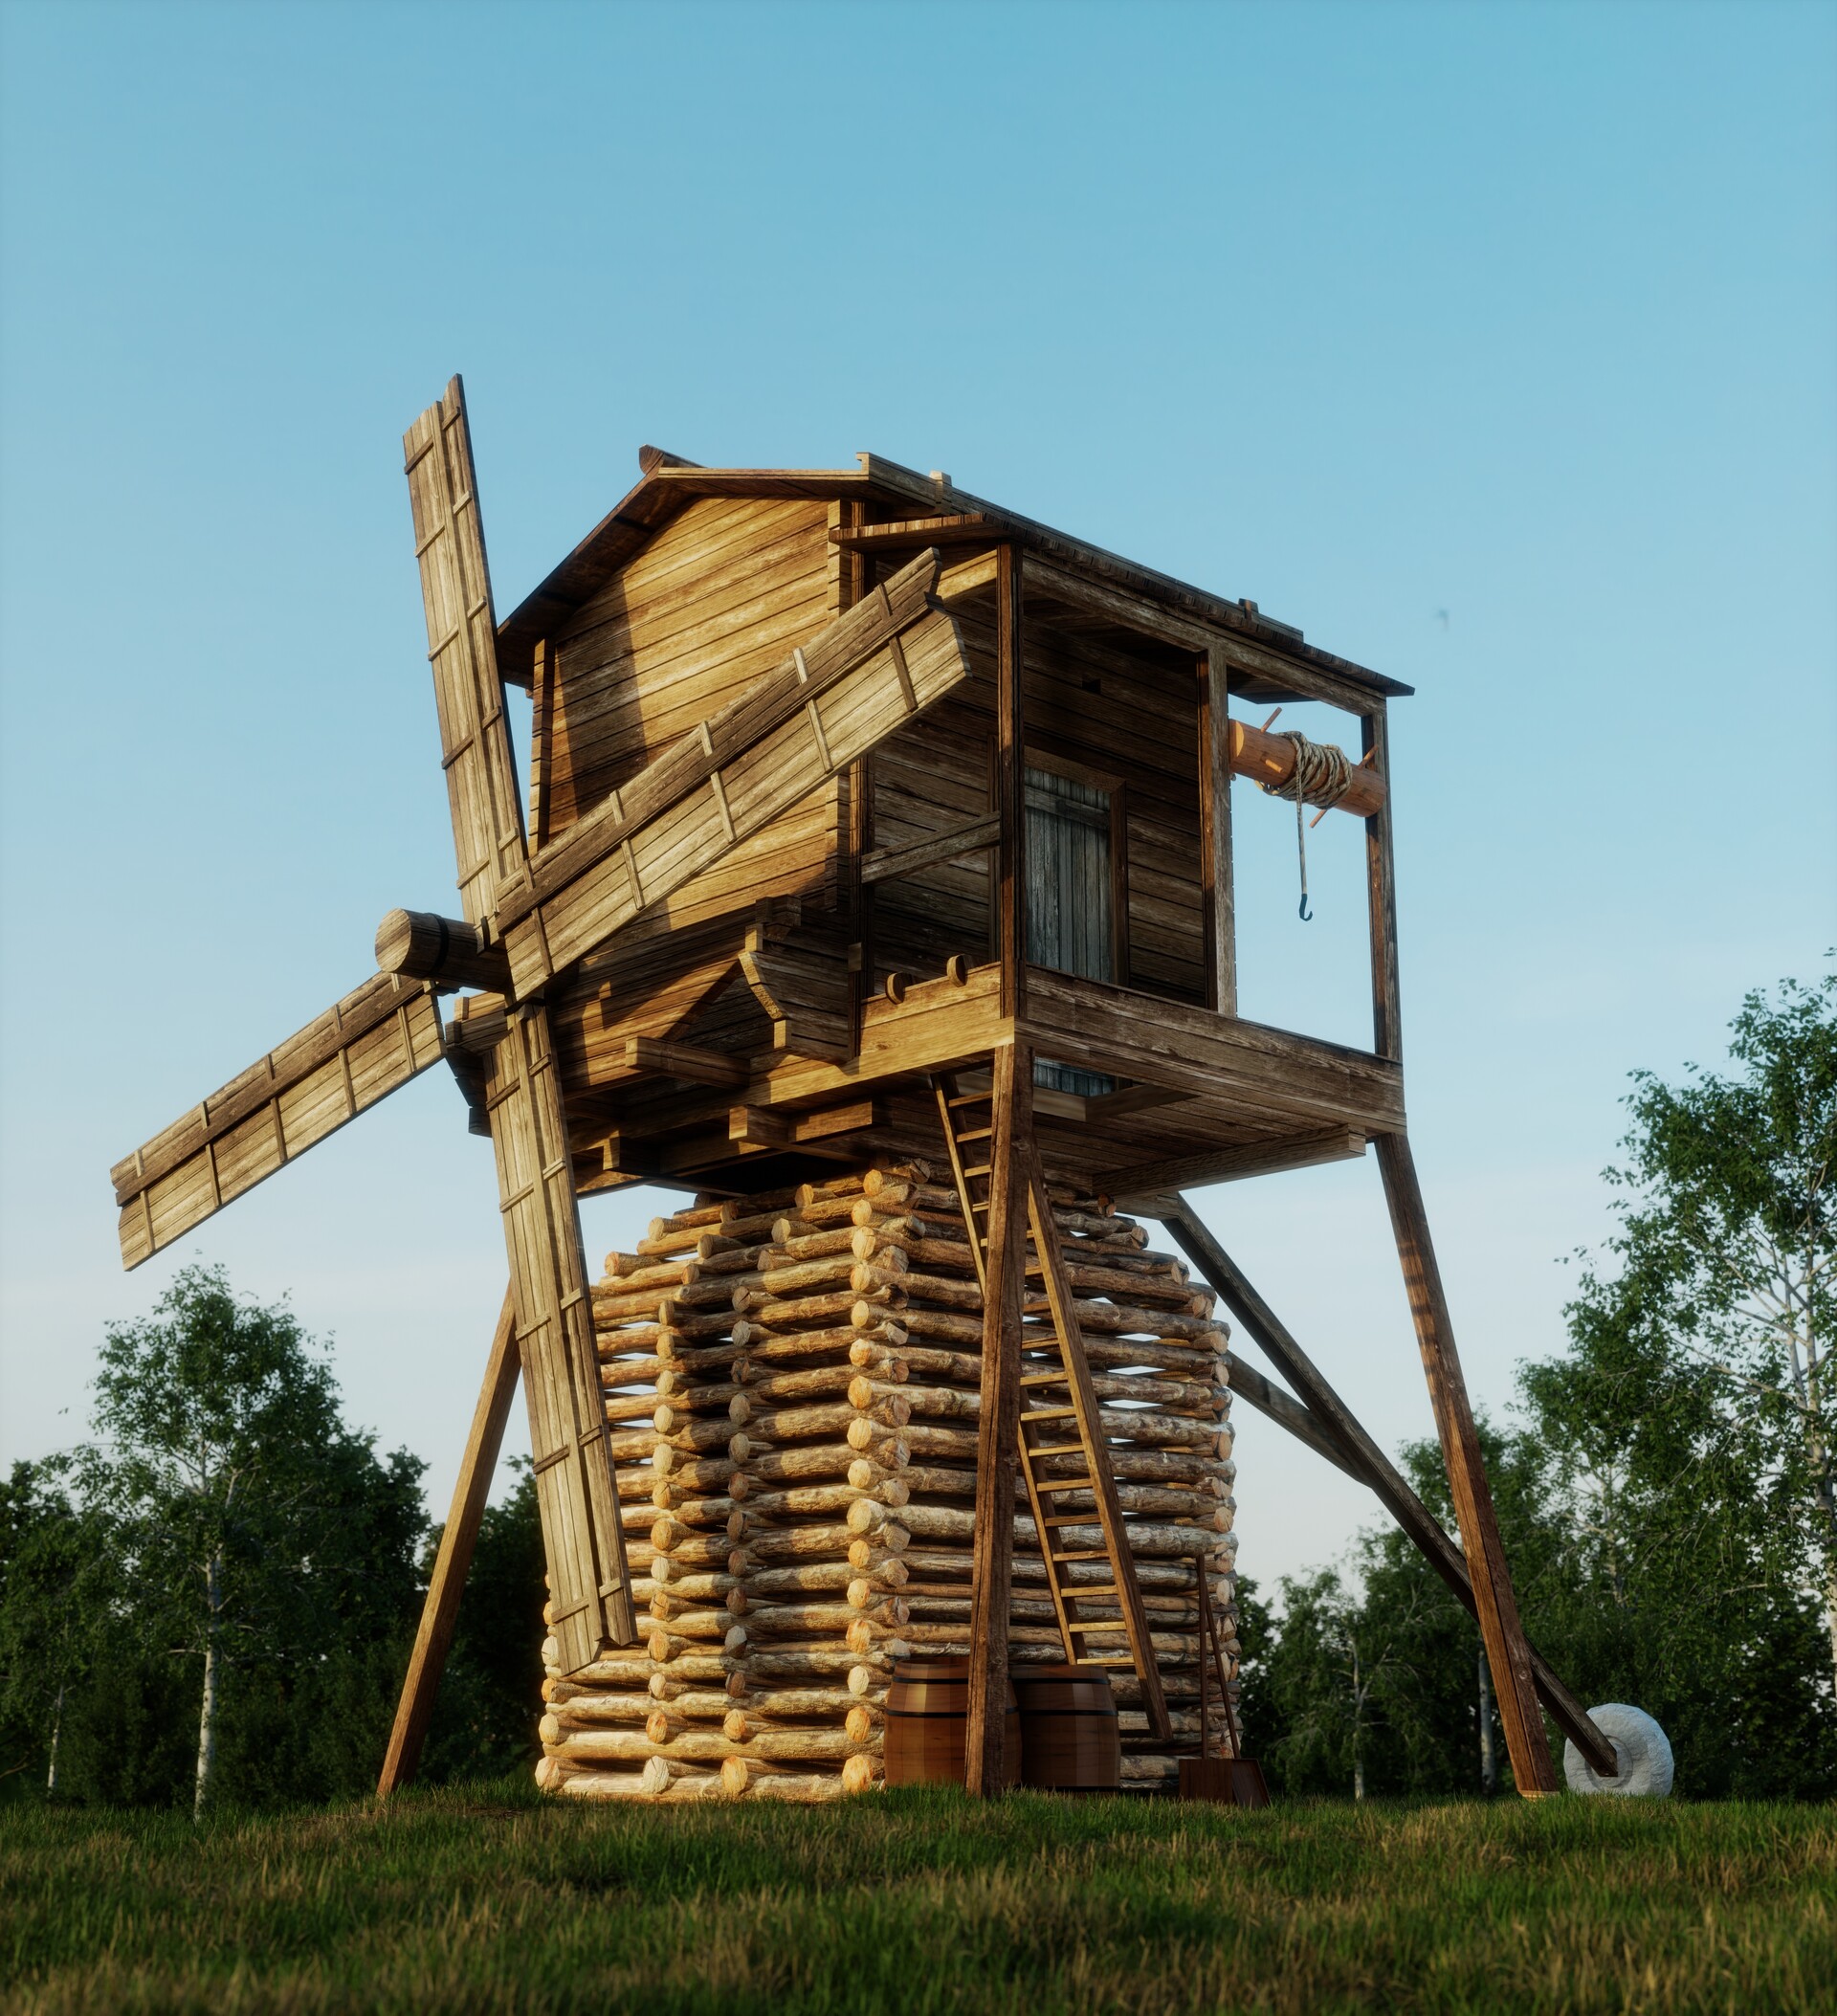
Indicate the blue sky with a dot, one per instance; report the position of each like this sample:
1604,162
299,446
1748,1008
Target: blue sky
1490,343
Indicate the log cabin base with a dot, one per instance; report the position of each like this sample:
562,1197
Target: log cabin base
792,1382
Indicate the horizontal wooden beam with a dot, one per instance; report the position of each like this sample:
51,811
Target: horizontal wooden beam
683,1060
885,863
960,528
1268,760
420,944
1150,1185
1093,1025
757,1127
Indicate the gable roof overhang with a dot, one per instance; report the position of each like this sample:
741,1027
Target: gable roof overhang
667,483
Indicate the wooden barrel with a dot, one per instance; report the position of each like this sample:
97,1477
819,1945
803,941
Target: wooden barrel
927,1714
1069,1734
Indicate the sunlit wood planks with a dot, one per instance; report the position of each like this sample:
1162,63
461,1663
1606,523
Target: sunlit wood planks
462,649
589,1593
868,674
361,1049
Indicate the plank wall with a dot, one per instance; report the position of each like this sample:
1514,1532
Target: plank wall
1117,713
713,601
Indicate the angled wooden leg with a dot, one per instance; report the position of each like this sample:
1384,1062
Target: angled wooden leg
441,1610
999,1425
1506,1651
1325,1423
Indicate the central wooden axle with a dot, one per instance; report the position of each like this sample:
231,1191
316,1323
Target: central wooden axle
1268,760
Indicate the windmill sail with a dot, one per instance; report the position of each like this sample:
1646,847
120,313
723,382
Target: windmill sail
590,1585
360,1050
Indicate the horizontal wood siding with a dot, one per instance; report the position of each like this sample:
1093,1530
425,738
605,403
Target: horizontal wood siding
717,598
1108,710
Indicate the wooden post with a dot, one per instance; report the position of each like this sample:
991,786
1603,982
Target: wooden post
999,1425
1380,879
1010,784
1330,1428
1506,1650
1216,891
441,1610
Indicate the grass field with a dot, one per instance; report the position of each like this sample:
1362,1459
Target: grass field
919,1901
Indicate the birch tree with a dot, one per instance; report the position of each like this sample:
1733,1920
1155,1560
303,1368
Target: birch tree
219,1419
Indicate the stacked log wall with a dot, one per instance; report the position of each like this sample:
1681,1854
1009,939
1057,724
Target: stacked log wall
792,1386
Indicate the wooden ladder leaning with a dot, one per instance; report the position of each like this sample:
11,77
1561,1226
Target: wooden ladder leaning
1059,1417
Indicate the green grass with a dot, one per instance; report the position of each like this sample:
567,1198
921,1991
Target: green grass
919,1901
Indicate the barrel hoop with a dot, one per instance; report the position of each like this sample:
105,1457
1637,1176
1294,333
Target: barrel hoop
925,1715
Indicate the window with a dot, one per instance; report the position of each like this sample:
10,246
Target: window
1070,896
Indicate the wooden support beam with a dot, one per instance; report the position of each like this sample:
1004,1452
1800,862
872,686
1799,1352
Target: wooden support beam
958,528
757,1127
683,1060
420,944
1268,1399
999,1423
885,863
1148,1184
1011,785
1506,1650
440,1611
1380,878
1359,1455
1216,891
1270,760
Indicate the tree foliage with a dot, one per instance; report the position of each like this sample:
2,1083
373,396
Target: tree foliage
1665,1493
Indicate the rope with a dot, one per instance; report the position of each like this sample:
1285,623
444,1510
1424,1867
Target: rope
1321,776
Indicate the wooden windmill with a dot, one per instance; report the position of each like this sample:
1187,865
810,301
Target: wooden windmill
764,924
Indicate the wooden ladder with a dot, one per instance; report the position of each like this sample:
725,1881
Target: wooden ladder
1059,1417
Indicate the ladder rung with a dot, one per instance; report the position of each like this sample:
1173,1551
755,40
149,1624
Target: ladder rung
1109,1659
1057,1448
1072,1624
1082,1589
972,1099
975,1134
1063,1484
1046,1413
1082,1554
1042,1379
1069,1518
981,1172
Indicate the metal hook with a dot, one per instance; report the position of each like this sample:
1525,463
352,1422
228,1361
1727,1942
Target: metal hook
1304,913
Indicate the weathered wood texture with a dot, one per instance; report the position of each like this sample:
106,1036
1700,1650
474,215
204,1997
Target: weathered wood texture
1323,1420
378,1037
523,1090
713,601
1506,1651
798,1481
440,1611
1115,709
455,588
872,671
1010,1155
589,1588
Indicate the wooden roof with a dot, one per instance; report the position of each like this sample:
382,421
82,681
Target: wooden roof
667,483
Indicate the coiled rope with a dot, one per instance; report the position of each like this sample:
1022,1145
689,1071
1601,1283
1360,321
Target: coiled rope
1321,776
